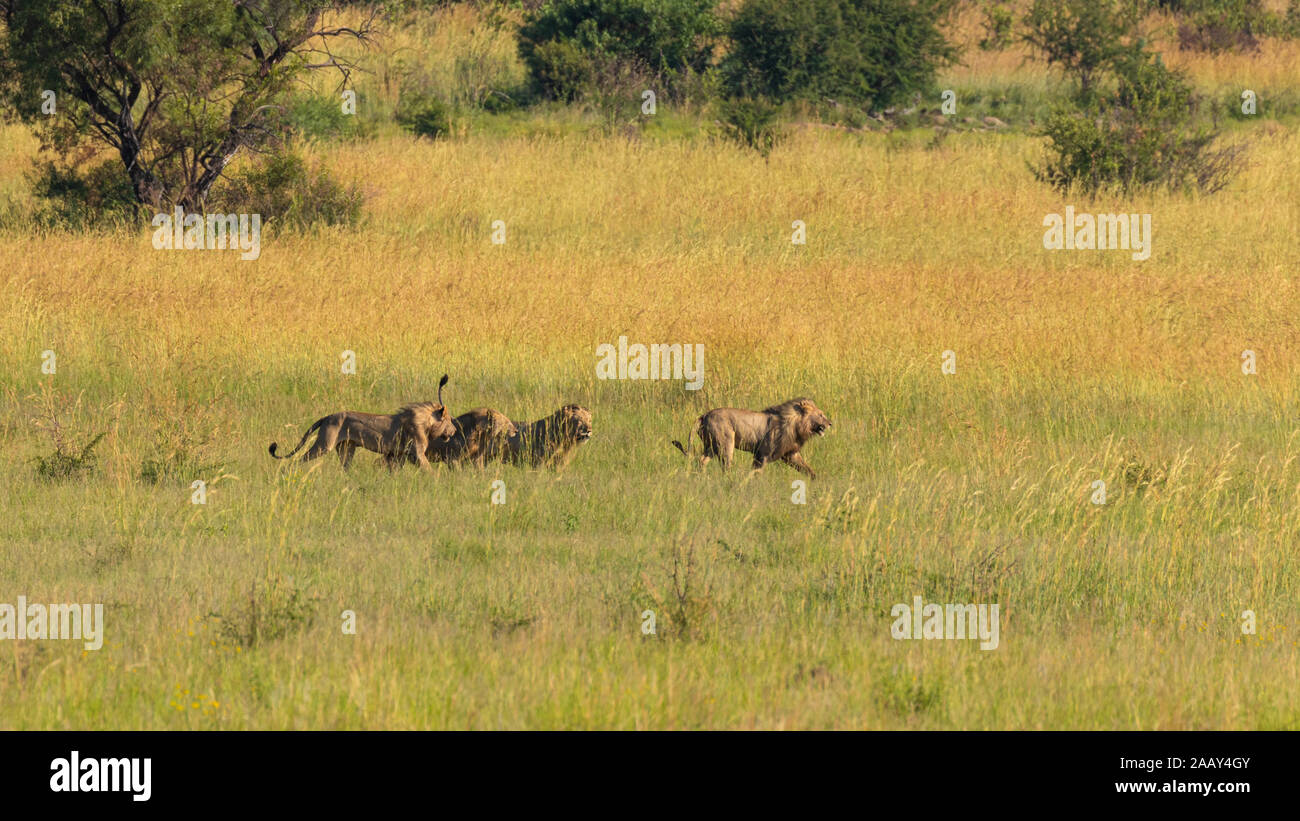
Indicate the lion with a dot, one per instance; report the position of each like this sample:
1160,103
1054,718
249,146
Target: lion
553,440
399,437
481,436
775,434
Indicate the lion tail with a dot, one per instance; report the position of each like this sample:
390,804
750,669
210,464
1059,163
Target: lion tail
695,431
301,442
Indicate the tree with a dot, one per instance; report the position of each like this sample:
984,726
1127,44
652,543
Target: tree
1083,37
175,87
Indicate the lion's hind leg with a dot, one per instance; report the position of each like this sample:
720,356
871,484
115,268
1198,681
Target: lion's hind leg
326,441
345,450
724,447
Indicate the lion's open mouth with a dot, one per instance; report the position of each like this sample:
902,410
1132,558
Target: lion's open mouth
819,429
584,435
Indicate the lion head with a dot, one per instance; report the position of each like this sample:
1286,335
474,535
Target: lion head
429,416
572,423
802,418
502,426
491,425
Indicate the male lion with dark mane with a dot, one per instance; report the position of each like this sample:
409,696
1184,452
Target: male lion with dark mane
553,440
398,437
775,434
481,436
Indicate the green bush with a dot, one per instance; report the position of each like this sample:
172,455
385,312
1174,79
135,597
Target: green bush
424,115
562,70
874,53
317,116
502,100
1145,134
71,198
566,43
284,188
64,464
751,123
1217,26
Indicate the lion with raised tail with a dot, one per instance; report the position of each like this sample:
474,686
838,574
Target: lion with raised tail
398,437
482,435
772,435
553,440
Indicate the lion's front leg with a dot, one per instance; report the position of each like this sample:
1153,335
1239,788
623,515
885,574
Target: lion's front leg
421,445
796,461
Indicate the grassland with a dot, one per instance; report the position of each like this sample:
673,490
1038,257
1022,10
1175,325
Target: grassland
973,487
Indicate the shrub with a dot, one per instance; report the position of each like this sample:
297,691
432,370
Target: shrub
1216,26
271,611
1143,135
66,463
320,116
424,115
562,70
284,188
564,43
79,199
751,123
874,53
502,100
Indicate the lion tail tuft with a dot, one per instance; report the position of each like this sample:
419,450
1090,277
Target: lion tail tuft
301,442
695,431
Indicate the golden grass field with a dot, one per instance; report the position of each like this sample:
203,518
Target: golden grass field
1072,366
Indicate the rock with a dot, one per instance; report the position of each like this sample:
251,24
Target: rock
994,122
